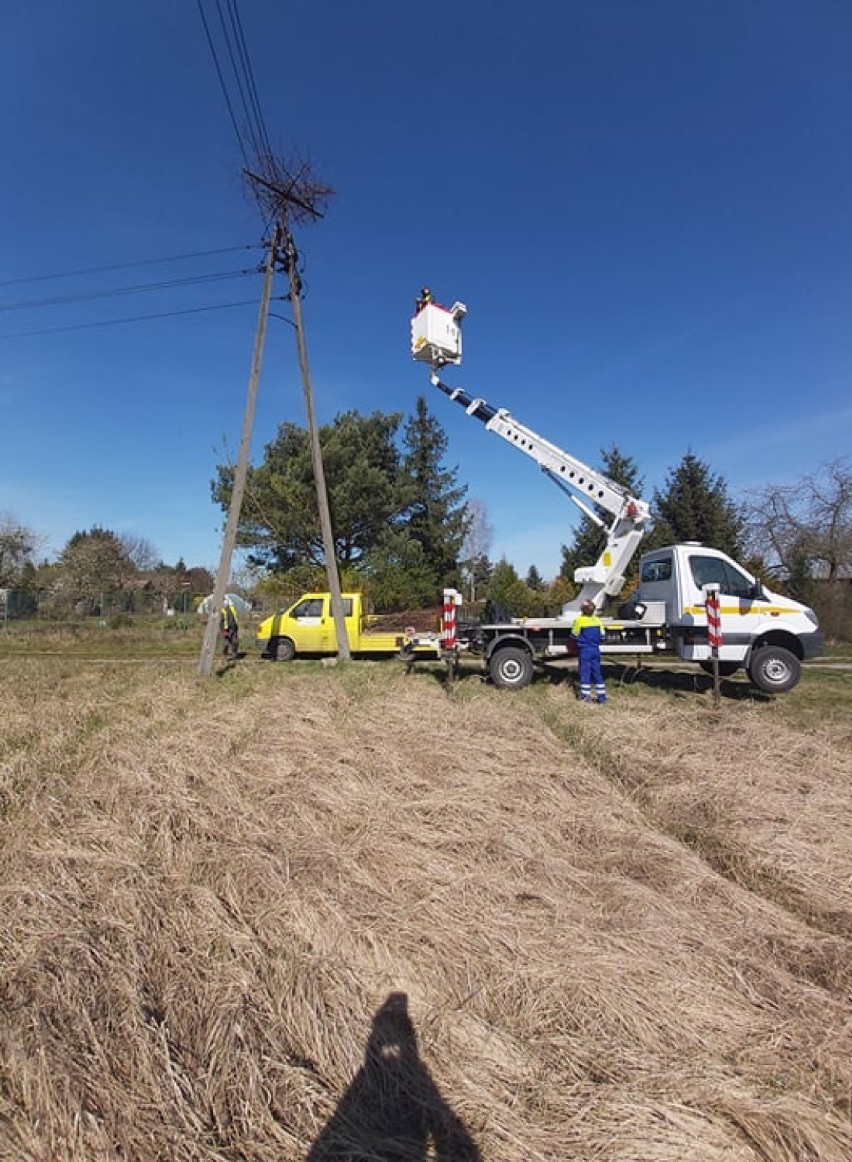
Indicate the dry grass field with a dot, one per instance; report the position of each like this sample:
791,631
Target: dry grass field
307,913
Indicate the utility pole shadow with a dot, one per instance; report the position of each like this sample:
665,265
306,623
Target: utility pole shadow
393,1111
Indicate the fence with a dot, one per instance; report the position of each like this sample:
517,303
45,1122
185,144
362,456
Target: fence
32,604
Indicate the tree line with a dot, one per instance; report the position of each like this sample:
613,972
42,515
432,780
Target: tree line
98,572
404,529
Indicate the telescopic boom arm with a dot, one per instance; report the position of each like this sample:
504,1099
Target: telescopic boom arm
583,485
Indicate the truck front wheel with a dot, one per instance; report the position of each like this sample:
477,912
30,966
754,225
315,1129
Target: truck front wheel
511,668
774,669
283,650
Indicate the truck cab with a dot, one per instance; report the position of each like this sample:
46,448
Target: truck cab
768,634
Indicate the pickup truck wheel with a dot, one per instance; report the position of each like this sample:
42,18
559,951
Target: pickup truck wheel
725,668
284,650
511,668
774,670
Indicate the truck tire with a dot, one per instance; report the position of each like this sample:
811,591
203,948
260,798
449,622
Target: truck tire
725,668
283,650
511,668
774,669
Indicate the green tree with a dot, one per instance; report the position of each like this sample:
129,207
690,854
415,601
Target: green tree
436,513
694,506
396,574
589,538
506,594
279,522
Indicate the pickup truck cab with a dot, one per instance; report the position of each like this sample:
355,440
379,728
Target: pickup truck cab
306,628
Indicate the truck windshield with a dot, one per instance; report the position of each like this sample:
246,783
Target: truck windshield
715,571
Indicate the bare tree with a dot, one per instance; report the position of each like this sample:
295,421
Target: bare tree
809,520
804,531
140,552
475,563
18,545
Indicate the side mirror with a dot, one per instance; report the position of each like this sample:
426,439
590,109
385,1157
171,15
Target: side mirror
758,593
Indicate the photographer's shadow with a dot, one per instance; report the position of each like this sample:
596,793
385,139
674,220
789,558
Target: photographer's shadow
393,1111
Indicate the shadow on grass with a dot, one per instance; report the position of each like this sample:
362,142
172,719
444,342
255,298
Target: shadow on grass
687,681
393,1111
228,662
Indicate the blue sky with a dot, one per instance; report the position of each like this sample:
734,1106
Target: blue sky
645,205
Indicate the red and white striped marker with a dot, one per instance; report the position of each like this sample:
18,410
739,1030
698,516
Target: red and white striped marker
450,597
714,620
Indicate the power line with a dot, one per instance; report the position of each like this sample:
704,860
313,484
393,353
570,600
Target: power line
128,319
233,55
166,284
248,73
222,84
255,139
124,265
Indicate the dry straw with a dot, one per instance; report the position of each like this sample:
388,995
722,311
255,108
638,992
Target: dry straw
314,914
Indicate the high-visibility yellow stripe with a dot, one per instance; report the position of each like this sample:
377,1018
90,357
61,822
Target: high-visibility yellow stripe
738,611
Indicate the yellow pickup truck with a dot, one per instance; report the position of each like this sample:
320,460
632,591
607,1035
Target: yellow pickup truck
307,629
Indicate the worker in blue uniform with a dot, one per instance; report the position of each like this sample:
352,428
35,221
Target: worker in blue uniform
588,632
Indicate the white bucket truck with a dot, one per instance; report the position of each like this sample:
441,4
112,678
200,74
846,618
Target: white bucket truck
765,633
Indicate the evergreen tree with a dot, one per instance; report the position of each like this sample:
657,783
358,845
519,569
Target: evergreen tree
395,574
507,596
590,538
695,506
279,521
534,580
436,513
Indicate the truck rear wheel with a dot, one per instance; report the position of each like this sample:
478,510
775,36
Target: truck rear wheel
284,650
511,668
774,669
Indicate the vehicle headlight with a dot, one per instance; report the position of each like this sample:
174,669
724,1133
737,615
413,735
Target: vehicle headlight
811,616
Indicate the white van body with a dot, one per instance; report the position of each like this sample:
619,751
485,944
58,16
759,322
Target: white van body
673,579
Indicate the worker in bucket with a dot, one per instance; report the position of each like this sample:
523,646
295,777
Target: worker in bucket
424,299
588,632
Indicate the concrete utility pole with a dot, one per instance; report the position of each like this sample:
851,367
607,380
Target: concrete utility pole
211,633
286,196
290,257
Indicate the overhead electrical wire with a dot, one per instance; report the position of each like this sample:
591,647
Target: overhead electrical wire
253,139
252,136
166,284
128,319
125,265
248,75
255,147
222,84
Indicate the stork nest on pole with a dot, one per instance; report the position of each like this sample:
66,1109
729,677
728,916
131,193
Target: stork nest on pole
288,194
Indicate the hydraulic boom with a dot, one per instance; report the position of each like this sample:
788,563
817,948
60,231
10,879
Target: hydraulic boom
588,489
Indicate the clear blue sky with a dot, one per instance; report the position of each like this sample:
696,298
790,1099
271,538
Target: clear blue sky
644,203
